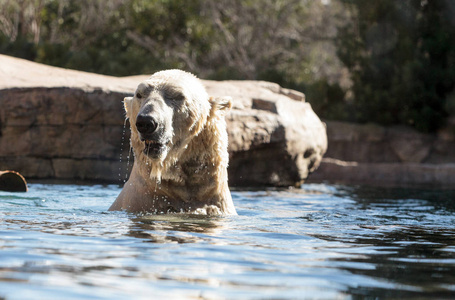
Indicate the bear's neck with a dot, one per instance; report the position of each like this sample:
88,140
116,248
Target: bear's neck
204,163
200,170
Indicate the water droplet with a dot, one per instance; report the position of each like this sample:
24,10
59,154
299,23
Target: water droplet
121,153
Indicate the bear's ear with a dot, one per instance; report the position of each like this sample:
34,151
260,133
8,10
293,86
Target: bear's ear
127,104
220,105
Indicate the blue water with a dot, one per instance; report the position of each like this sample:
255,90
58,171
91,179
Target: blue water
320,242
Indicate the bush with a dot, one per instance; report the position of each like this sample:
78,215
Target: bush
401,58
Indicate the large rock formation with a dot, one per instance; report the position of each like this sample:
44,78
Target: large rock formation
66,124
372,154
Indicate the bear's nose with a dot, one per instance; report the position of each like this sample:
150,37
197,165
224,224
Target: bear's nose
146,124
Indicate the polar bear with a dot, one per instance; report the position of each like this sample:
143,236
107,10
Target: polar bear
179,141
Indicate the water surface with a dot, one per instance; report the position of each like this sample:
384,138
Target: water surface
320,242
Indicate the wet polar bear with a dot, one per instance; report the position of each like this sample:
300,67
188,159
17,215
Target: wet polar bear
179,140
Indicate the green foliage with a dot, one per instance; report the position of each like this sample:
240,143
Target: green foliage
330,104
109,37
21,47
400,56
224,39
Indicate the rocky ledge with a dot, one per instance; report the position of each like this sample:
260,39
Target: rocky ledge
65,124
393,156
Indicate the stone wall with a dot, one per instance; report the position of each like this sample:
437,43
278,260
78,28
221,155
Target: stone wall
371,154
61,133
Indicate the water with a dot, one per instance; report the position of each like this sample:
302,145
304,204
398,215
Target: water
321,242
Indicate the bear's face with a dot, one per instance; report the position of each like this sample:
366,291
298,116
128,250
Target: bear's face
166,112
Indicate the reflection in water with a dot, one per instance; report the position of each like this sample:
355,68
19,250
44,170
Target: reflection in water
173,228
326,242
411,242
418,262
437,199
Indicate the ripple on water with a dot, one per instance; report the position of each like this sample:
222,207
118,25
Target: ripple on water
322,241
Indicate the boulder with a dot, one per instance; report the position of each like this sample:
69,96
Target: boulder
66,124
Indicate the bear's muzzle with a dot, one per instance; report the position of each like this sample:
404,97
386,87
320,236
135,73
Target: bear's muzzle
146,125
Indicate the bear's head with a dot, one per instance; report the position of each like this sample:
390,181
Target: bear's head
166,113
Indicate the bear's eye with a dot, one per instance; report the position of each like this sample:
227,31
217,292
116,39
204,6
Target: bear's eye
138,95
178,97
175,96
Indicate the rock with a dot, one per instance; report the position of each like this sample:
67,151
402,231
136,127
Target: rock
273,139
360,143
375,155
396,144
67,124
386,174
409,145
